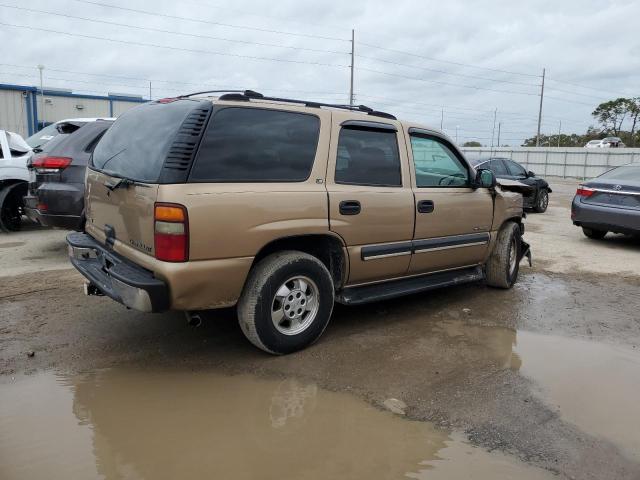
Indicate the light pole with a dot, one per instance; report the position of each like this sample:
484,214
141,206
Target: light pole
41,68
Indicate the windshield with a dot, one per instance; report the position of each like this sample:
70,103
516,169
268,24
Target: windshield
136,145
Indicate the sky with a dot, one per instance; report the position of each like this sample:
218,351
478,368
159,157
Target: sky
453,63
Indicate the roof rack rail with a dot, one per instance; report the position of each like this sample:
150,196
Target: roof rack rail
211,91
248,95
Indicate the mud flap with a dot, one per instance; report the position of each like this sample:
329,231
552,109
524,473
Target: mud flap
525,251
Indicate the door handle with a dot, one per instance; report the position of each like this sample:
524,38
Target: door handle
350,207
425,206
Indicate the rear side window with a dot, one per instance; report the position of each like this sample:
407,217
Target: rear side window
256,145
368,157
137,143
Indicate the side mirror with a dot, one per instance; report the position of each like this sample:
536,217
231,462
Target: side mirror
530,174
485,178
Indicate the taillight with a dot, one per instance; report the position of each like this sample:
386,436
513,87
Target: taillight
51,164
584,191
171,232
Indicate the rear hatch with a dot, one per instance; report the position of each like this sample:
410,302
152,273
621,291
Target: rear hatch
127,166
617,188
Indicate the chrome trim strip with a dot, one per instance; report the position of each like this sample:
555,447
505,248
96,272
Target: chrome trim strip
618,192
434,249
386,255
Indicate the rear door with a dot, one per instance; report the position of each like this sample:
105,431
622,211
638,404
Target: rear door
370,197
453,220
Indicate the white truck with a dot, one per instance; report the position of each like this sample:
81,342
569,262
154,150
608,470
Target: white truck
14,178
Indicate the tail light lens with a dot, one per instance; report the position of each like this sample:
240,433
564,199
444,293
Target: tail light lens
171,234
585,192
50,164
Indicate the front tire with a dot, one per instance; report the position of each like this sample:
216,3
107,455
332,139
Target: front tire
286,303
503,265
593,233
542,202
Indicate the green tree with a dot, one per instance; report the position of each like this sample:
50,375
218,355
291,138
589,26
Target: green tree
611,115
472,144
633,109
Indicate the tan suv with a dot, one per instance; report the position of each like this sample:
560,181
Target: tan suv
282,207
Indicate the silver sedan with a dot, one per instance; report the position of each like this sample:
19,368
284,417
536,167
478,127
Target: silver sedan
609,203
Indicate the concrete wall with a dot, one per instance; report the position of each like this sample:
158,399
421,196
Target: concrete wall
564,162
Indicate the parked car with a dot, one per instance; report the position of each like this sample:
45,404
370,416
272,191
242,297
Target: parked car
14,153
538,199
66,126
56,187
608,142
609,203
283,206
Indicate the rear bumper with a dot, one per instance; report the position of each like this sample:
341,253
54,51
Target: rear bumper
64,204
613,219
112,275
66,222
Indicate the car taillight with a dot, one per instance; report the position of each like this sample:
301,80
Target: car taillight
171,232
51,164
584,191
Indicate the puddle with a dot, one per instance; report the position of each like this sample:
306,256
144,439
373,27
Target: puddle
156,425
595,386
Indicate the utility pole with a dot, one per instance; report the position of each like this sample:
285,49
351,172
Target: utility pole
41,68
540,111
441,118
499,125
149,90
493,132
559,130
353,50
457,134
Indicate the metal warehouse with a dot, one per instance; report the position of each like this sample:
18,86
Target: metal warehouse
24,110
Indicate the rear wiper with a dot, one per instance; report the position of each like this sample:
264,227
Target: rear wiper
124,182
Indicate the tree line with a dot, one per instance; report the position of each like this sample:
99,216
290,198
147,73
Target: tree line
615,118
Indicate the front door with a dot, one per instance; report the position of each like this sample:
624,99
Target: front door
453,220
370,197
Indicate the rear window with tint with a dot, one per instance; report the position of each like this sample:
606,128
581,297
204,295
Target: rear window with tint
137,143
629,173
256,145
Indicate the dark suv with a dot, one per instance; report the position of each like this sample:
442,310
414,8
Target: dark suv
57,170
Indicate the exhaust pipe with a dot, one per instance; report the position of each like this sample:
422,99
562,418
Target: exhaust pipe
193,319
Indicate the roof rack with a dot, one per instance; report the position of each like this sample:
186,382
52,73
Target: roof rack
247,95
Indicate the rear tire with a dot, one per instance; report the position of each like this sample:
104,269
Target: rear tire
286,303
503,265
593,233
12,207
542,202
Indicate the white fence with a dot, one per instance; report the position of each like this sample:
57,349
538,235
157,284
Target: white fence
566,162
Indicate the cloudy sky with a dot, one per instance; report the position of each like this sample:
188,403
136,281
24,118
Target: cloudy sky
413,58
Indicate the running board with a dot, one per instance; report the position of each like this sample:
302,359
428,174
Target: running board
407,286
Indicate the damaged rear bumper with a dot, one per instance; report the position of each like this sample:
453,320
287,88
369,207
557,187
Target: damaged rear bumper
112,275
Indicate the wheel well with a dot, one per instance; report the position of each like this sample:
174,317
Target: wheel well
516,220
326,248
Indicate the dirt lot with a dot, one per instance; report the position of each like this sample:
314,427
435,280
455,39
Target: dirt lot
538,382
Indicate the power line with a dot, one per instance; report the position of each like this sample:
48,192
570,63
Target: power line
171,32
445,61
446,72
209,22
167,47
472,87
588,88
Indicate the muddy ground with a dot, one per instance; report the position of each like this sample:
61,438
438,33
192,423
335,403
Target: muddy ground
545,376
